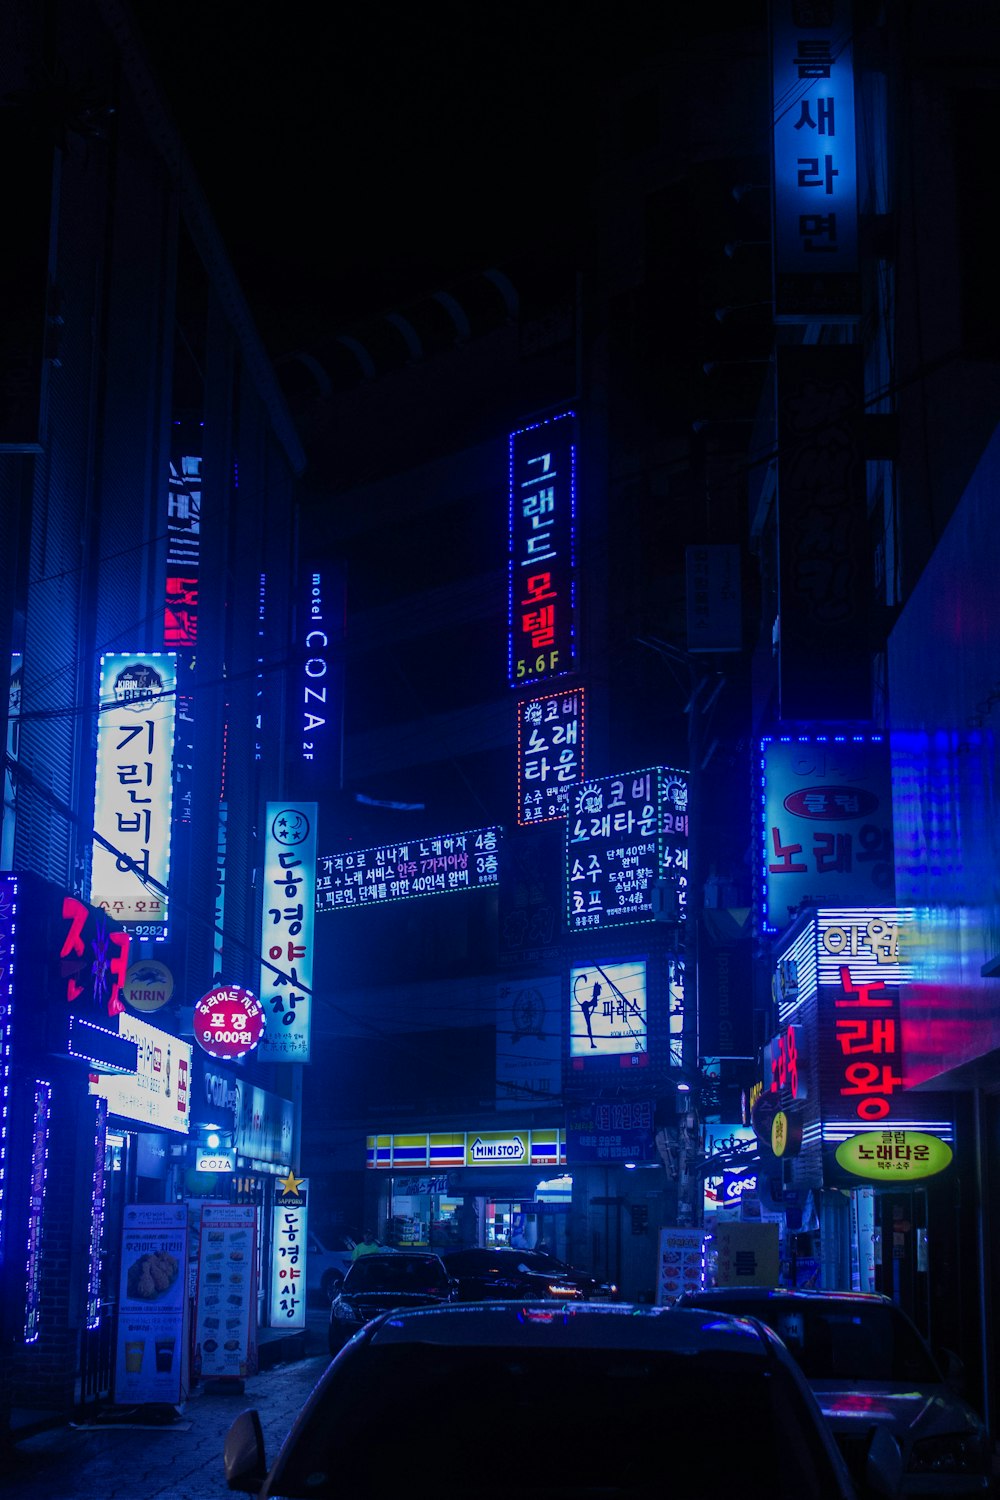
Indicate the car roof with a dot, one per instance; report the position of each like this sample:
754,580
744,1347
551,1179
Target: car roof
579,1325
783,1294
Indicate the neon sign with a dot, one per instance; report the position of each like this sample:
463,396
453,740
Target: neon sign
549,755
623,834
420,867
542,562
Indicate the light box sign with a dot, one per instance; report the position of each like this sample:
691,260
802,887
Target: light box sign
549,755
321,681
894,1157
610,1130
624,834
287,931
135,745
150,1360
608,1013
228,1022
468,1148
825,824
289,1238
158,1093
815,163
420,867
542,565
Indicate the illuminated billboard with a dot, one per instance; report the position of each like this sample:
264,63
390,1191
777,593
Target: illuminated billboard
542,564
132,813
825,823
549,755
420,867
158,1092
607,1010
627,848
287,931
815,164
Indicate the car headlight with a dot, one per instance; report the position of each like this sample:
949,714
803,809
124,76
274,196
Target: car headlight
344,1312
954,1453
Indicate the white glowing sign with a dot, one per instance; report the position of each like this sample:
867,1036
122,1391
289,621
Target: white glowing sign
607,1009
158,1092
287,922
135,747
289,1238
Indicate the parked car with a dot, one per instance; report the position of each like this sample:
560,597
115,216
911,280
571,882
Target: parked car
326,1266
486,1275
379,1281
628,1400
870,1367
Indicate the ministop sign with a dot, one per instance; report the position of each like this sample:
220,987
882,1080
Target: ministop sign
228,1022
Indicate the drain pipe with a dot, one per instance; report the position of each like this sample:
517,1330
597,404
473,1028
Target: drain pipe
983,1200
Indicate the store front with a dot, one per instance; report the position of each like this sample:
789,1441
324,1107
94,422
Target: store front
470,1188
860,1167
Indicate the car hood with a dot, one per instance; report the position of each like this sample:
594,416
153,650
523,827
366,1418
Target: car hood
912,1412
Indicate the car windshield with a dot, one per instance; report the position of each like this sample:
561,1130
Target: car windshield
605,1421
845,1340
394,1273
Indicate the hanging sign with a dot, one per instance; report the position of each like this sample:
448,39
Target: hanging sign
289,1235
228,1022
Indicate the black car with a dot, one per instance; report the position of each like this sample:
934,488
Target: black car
376,1283
499,1274
615,1400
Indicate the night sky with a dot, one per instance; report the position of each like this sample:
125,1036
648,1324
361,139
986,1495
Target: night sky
358,156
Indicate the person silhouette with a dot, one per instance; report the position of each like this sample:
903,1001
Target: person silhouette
588,1007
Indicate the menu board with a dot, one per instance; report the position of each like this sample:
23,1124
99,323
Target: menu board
149,1361
225,1322
680,1265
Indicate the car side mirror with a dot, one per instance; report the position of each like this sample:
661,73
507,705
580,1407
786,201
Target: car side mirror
954,1369
884,1464
243,1454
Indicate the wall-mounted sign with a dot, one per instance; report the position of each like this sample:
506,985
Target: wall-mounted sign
826,824
320,679
786,1134
529,1042
289,1239
894,1156
610,1130
815,166
607,1010
148,985
228,1022
624,834
420,867
287,922
542,564
132,811
467,1148
549,754
214,1161
264,1124
150,1364
746,1254
158,1093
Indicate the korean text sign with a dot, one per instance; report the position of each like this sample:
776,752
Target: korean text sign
287,923
623,834
815,167
225,1315
826,824
149,1364
608,1010
289,1236
420,867
132,812
549,754
159,1091
542,564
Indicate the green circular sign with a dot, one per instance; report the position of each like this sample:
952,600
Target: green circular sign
894,1156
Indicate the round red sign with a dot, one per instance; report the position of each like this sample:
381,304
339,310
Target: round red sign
228,1022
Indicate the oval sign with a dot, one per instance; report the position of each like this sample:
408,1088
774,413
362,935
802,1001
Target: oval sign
832,802
894,1156
148,985
228,1022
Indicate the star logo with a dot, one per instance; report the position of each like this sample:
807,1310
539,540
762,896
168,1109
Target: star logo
291,1184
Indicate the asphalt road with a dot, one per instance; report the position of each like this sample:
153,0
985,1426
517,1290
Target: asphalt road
179,1461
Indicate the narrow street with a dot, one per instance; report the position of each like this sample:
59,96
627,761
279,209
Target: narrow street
123,1459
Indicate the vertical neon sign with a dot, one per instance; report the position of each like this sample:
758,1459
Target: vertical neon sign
542,560
36,1205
